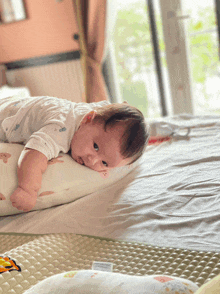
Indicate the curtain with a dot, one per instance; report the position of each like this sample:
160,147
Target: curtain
94,31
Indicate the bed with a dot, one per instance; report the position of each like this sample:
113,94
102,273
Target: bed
169,197
162,216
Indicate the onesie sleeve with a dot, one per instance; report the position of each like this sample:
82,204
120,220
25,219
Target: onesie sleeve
50,140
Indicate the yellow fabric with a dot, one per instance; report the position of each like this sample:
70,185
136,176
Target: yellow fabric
91,17
212,287
83,48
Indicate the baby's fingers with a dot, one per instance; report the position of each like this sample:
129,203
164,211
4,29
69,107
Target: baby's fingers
24,207
19,207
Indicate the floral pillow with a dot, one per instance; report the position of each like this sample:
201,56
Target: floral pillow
64,180
97,282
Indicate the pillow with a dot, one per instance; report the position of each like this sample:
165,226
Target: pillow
64,180
97,282
19,92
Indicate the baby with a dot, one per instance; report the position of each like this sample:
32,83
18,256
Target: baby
99,135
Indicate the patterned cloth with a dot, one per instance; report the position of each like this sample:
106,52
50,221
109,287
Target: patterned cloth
98,282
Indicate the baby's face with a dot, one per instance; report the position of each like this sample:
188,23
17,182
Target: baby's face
96,148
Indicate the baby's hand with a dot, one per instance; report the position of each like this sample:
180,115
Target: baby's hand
23,200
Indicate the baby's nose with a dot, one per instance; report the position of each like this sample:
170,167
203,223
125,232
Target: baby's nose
93,159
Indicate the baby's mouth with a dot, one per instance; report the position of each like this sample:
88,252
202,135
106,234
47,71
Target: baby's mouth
80,161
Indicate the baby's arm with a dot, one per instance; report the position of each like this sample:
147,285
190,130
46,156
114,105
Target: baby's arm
31,165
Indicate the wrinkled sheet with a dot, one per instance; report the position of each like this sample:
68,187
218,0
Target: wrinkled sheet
171,199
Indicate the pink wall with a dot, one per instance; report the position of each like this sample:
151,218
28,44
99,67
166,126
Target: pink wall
49,29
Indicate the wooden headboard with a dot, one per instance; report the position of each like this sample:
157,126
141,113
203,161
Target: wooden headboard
3,80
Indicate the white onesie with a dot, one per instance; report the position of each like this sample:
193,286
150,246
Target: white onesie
46,124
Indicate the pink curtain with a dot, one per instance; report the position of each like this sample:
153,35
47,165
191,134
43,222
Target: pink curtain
91,16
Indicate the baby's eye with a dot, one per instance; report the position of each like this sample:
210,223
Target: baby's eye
105,163
96,147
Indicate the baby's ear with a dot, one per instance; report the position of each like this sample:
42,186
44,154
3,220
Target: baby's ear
89,117
104,175
125,102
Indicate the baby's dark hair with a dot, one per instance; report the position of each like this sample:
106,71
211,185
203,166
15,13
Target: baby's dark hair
135,136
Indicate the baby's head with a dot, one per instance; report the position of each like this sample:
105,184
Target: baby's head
112,136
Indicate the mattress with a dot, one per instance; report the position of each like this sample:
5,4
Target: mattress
42,256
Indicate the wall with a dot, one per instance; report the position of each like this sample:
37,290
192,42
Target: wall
42,52
49,29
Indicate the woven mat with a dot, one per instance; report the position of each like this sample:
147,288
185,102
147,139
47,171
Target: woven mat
42,256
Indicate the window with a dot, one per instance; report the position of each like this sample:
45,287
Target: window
203,54
189,60
135,58
11,11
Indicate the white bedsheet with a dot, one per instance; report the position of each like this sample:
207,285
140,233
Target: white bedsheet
171,199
